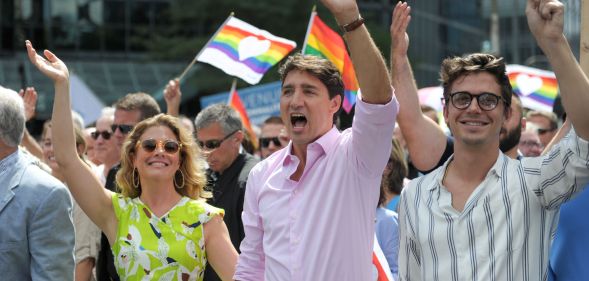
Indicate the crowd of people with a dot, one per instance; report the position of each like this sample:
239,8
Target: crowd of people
146,195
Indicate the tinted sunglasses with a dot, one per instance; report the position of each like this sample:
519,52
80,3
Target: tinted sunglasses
169,146
265,142
542,131
105,134
125,129
213,144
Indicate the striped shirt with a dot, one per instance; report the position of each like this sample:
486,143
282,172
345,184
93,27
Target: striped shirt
505,229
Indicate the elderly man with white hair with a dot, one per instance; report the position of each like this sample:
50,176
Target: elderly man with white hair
37,233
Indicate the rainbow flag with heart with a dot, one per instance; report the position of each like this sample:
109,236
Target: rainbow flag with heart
537,88
243,50
324,42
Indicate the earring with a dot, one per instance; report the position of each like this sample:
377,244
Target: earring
135,179
179,186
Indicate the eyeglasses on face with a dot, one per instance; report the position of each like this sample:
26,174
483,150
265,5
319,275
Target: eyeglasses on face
265,142
486,101
214,144
542,131
105,134
125,129
169,146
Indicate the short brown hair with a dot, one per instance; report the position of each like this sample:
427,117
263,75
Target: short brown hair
318,67
142,102
456,67
191,166
393,182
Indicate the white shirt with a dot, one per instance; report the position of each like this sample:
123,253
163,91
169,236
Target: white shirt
505,229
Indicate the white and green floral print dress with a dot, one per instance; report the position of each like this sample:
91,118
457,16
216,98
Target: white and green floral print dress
168,248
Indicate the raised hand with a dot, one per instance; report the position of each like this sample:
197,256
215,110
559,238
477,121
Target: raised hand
399,37
173,96
29,96
546,20
344,11
51,65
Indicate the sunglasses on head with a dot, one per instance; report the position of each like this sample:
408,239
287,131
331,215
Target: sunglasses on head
265,142
105,134
169,146
125,129
213,144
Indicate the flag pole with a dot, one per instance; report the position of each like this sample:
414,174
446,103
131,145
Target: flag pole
233,88
313,13
201,50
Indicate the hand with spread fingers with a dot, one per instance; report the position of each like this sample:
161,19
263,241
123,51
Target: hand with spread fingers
399,37
29,96
51,65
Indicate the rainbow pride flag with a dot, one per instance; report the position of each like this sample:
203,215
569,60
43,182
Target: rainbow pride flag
324,42
244,51
236,103
537,88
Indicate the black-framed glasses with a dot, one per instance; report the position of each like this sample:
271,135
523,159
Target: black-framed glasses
125,129
265,142
213,144
169,146
105,134
486,101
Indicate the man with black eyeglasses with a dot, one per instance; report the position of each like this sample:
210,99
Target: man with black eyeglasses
272,137
129,110
483,215
219,133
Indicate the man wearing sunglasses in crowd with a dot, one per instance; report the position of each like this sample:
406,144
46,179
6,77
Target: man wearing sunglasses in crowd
483,215
129,110
219,133
106,150
273,136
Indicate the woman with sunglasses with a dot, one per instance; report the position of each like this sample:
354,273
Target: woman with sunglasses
87,234
159,226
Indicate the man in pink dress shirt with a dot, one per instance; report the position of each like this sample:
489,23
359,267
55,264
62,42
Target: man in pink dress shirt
309,208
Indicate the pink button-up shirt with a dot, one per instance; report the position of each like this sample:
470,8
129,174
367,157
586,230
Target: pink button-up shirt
322,226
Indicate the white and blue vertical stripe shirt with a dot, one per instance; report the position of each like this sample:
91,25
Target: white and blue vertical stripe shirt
504,232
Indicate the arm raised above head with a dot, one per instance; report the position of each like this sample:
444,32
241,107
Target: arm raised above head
546,22
83,184
425,140
368,62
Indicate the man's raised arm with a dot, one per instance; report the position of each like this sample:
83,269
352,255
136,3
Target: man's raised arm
368,62
546,22
426,141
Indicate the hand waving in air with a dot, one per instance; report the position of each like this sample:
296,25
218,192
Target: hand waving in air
29,96
51,66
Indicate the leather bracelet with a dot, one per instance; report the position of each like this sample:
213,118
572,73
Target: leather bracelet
352,25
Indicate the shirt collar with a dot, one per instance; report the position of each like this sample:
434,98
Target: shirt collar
495,169
325,143
8,162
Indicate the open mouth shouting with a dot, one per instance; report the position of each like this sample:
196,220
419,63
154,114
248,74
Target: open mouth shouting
298,121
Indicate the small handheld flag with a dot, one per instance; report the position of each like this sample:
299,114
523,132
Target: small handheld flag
236,103
244,51
537,88
324,42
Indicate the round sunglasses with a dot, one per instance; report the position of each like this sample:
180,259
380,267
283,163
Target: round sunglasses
169,146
